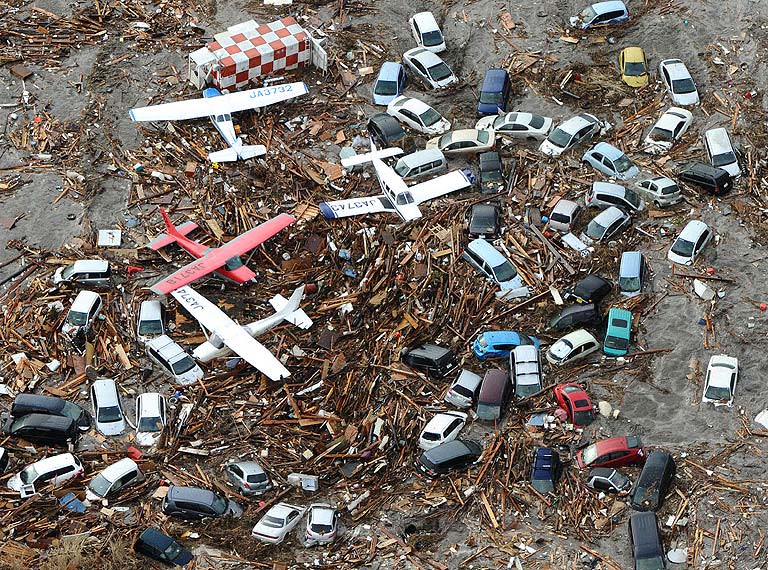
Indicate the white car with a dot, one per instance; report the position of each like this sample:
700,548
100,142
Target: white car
429,68
114,478
662,191
174,360
463,141
426,32
442,428
53,470
275,525
720,151
107,408
150,322
418,115
568,134
669,129
151,417
572,346
720,382
605,225
678,81
690,243
322,524
517,125
84,310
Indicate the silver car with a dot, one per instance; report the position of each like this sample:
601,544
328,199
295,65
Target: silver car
429,68
248,477
490,261
174,360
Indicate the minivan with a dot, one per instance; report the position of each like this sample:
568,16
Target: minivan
617,332
107,409
90,272
36,404
564,215
631,273
157,545
43,428
173,360
653,484
431,359
605,194
494,92
494,395
490,261
720,151
645,540
525,370
421,163
54,470
192,503
464,389
498,344
150,322
712,179
546,469
85,308
444,458
576,315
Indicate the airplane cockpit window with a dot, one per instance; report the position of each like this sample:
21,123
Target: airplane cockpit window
234,263
227,117
404,198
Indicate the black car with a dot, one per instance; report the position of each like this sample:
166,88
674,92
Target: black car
645,540
483,221
591,289
609,480
384,130
192,503
653,484
576,316
157,545
449,456
432,359
491,173
4,457
25,404
43,428
712,179
546,469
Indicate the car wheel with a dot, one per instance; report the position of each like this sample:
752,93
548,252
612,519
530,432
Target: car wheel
530,138
657,203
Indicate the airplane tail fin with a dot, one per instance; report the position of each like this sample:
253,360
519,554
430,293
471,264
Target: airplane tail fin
173,232
238,152
374,154
289,309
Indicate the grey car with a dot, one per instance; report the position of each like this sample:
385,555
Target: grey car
193,503
248,477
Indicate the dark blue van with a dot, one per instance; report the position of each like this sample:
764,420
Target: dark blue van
494,92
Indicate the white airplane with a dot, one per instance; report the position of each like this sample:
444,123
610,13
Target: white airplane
397,196
227,336
219,108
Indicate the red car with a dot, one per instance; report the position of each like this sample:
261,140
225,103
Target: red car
612,452
575,401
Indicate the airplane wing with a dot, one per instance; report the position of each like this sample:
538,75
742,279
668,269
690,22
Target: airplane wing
232,334
441,185
193,271
222,104
355,207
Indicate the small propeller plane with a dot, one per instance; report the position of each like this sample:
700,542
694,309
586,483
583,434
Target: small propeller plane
224,260
397,196
228,335
219,108
285,310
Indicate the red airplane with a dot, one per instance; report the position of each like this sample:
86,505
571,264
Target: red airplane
224,260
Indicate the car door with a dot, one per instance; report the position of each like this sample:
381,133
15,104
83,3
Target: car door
596,159
621,61
411,118
452,428
290,520
608,165
420,69
62,474
699,244
600,483
665,75
401,80
417,33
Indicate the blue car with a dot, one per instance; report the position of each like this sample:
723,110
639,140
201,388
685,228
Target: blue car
498,344
389,84
494,92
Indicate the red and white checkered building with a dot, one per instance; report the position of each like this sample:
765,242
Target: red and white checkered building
247,51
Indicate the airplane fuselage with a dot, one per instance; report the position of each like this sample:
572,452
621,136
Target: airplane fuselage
222,122
396,191
234,270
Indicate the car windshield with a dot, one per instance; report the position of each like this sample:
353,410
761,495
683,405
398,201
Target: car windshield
77,318
219,504
718,393
501,121
184,365
616,342
683,247
72,410
173,551
723,159
655,563
150,424
622,163
634,68
630,195
629,284
589,454
619,480
559,138
492,175
488,411
491,97
100,485
68,272
385,88
272,522
430,117
28,474
462,391
440,71
525,390
505,272
151,327
583,418
587,14
402,169
429,436
595,230
483,137
109,414
433,38
536,122
683,86
661,135
320,528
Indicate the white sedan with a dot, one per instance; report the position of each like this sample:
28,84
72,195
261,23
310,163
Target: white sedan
678,81
518,125
274,526
720,382
429,68
463,141
418,115
441,429
669,129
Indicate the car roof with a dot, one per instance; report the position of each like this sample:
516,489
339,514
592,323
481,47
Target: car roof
526,352
676,69
389,71
671,118
84,301
630,263
425,19
429,350
609,215
196,494
449,450
608,6
156,538
104,388
577,309
39,401
464,135
721,367
633,54
494,79
87,265
441,421
282,510
54,462
468,379
662,181
149,404
693,230
50,421
249,467
609,188
322,513
166,346
608,150
614,443
654,465
543,461
426,57
484,209
579,337
500,336
718,140
601,472
119,468
565,207
646,545
576,123
495,382
704,168
412,104
617,313
485,250
150,310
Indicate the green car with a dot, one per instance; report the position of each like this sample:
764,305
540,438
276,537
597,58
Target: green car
617,334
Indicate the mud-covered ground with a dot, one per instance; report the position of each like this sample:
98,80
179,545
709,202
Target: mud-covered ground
658,401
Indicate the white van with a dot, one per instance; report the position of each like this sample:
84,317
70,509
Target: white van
53,470
150,321
91,272
113,478
720,151
421,163
85,308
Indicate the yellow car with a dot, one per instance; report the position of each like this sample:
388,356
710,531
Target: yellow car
634,68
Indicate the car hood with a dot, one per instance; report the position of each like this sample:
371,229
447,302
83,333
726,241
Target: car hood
679,259
686,98
631,173
14,483
111,428
636,80
486,123
549,149
383,99
184,557
147,438
439,127
559,350
656,147
265,530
